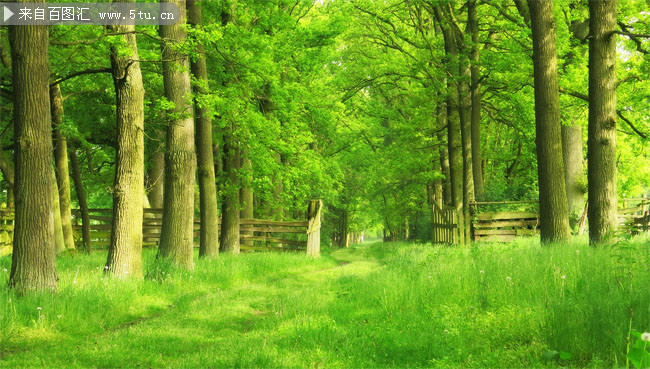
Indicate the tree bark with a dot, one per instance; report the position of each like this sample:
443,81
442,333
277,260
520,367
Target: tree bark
81,198
572,155
209,235
246,192
157,172
601,142
477,167
230,213
441,116
553,207
59,239
61,163
125,250
453,123
33,263
177,234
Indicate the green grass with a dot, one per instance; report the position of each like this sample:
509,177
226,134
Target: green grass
379,305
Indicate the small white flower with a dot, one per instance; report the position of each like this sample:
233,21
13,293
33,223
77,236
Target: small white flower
508,279
482,271
645,337
563,277
59,316
39,308
106,267
445,331
74,282
4,270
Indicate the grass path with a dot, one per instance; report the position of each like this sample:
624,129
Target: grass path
227,327
371,306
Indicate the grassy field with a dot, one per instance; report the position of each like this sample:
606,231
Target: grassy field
378,305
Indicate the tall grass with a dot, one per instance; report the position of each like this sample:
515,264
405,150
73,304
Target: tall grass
383,305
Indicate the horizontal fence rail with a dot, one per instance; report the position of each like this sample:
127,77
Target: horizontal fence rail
504,221
255,234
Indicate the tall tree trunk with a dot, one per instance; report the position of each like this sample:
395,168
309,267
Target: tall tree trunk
601,142
441,116
125,251
230,213
572,155
177,234
553,208
453,123
33,264
209,238
477,168
246,192
59,239
156,173
464,110
61,163
81,198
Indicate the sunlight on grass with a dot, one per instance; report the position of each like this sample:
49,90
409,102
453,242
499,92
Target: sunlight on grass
383,305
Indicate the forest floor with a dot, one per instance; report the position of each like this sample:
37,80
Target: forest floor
377,305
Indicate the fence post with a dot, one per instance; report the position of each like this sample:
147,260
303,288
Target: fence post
313,227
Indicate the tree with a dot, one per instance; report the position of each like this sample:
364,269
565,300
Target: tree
601,141
475,85
231,212
454,124
553,206
125,250
33,265
61,164
177,233
209,234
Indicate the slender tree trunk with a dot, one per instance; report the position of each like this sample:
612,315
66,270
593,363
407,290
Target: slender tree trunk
246,192
33,264
601,142
553,208
209,239
572,155
59,240
277,207
453,125
157,172
230,220
125,251
177,234
472,27
81,197
464,110
61,163
441,115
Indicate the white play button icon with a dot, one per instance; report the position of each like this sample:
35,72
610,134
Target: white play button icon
8,13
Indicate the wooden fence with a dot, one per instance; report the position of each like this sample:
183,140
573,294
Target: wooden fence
445,225
635,215
506,221
255,234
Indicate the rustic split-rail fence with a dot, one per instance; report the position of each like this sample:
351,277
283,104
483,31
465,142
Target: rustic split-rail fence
503,221
254,234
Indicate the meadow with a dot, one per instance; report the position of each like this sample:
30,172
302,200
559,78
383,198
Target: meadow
372,305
